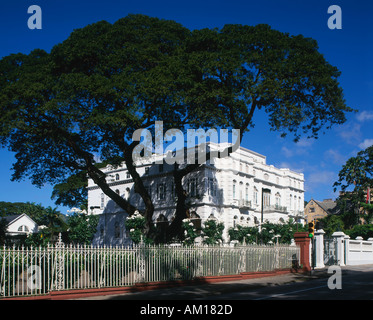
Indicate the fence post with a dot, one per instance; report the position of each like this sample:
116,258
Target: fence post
347,249
59,264
319,248
303,241
339,237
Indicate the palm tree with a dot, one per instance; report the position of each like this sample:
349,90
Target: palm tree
53,220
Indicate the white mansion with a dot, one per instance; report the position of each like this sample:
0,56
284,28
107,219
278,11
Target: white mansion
237,190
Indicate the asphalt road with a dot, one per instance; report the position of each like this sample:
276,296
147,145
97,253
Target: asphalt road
356,283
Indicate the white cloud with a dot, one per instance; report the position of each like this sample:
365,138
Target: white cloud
321,177
287,165
366,143
305,143
287,152
350,133
335,156
364,116
298,148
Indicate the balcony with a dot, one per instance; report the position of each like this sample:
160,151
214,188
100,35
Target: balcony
244,204
275,208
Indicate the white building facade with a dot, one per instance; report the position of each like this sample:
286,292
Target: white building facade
241,189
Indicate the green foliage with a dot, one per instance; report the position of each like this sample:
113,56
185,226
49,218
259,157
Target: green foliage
270,233
73,192
331,224
212,233
81,228
365,231
190,232
354,179
62,110
3,225
135,224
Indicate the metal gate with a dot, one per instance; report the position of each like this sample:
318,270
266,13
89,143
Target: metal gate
330,252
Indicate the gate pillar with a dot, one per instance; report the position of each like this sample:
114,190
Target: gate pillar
339,236
319,248
303,241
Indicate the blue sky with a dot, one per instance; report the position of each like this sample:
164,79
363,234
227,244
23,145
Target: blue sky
350,49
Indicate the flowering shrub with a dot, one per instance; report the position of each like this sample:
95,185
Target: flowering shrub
270,233
190,232
135,224
212,232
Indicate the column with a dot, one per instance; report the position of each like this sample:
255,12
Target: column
347,249
319,250
303,241
339,237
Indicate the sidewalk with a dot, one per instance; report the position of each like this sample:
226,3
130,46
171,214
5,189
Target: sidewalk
203,291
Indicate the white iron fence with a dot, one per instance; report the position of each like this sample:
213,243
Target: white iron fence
37,271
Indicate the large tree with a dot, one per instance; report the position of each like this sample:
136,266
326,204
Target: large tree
354,180
63,110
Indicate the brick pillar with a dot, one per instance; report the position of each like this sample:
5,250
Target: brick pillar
303,241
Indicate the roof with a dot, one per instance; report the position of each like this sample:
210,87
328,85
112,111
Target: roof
327,205
14,217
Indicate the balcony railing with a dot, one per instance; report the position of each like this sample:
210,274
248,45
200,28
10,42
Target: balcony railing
275,208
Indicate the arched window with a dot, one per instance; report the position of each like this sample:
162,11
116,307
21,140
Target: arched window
117,177
247,192
278,199
197,221
255,195
116,230
23,228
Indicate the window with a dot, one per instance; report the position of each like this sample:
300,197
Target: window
128,175
212,187
235,218
247,192
173,190
266,199
312,210
240,191
102,201
117,177
148,190
255,195
278,199
234,189
116,230
161,191
192,187
23,228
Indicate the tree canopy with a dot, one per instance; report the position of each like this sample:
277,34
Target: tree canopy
67,110
354,180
